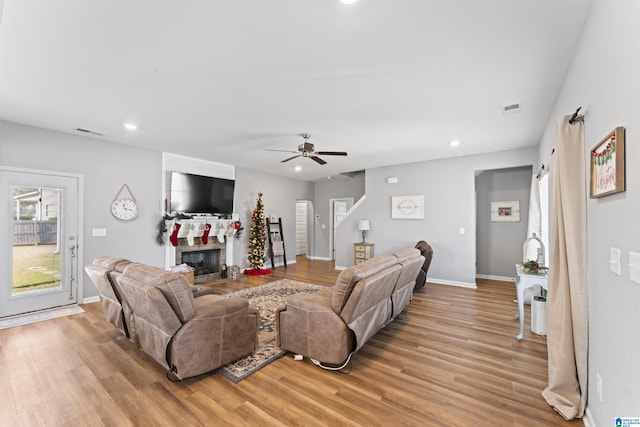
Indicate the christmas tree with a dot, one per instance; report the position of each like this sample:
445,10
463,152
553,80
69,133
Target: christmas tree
257,236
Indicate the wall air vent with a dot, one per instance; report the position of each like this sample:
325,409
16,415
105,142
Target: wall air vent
511,108
92,132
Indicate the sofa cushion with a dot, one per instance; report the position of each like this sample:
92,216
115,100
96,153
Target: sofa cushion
349,277
174,286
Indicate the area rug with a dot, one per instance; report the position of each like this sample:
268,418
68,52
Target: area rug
39,316
265,298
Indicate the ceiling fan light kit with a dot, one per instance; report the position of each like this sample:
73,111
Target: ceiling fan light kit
307,149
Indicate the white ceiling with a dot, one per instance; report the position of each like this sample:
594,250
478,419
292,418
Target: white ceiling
389,81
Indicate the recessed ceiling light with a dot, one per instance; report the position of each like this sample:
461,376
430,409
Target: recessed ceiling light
348,1
298,168
130,126
454,143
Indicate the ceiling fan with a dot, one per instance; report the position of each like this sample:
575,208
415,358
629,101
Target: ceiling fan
306,149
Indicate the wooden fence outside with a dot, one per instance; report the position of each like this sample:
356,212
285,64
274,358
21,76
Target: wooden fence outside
29,232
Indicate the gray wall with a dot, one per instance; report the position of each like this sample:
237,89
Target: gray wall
106,167
279,196
332,189
603,79
499,244
448,186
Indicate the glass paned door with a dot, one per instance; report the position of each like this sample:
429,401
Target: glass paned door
39,219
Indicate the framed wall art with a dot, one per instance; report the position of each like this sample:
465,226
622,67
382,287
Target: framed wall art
407,207
505,211
607,165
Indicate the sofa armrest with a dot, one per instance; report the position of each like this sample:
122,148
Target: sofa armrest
308,325
223,330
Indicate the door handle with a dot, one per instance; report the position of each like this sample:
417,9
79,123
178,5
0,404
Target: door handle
72,277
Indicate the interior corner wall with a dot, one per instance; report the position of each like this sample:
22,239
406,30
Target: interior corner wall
279,196
448,186
603,80
105,167
499,244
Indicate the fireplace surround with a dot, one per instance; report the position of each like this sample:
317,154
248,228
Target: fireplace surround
207,260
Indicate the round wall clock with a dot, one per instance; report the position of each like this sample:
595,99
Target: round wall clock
125,208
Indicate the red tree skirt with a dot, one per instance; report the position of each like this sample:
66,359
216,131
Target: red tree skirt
257,271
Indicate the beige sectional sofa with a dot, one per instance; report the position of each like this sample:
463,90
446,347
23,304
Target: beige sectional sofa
103,272
331,325
188,336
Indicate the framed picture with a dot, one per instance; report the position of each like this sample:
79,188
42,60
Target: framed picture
505,211
607,165
407,207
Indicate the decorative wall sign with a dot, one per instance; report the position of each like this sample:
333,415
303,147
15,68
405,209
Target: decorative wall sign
407,207
607,165
505,211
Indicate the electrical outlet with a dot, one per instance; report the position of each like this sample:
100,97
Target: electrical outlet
599,386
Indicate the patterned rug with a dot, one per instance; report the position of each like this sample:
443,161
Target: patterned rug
266,298
39,316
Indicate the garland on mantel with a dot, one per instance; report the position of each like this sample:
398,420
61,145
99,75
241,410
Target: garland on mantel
162,225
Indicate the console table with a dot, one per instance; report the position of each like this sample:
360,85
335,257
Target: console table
525,281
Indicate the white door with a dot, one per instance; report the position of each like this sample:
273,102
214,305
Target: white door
301,227
339,209
38,251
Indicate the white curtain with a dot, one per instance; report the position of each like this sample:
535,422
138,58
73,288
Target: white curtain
567,300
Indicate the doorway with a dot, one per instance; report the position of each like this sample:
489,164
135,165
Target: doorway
39,249
302,229
338,209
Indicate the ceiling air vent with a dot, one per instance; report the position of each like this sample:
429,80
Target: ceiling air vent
92,132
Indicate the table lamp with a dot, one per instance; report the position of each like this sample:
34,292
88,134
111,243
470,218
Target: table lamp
364,226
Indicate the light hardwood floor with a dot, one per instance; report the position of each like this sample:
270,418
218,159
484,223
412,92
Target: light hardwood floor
450,359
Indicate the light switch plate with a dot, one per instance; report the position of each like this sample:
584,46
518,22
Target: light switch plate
634,267
614,261
99,232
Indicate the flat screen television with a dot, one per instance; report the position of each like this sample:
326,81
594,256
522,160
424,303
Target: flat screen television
197,194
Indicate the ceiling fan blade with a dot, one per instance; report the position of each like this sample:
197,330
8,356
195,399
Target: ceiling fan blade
281,151
290,158
318,160
332,153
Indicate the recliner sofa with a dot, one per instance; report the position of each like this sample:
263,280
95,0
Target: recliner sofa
188,336
427,252
103,272
331,325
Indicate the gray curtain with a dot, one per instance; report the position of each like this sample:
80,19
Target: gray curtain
567,303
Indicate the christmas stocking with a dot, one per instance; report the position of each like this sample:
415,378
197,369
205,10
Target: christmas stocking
174,235
205,234
221,234
190,235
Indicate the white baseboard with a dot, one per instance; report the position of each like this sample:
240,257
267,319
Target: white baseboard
89,300
319,258
491,277
452,283
339,267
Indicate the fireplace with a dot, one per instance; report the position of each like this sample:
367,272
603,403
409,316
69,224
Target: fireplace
206,259
203,261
